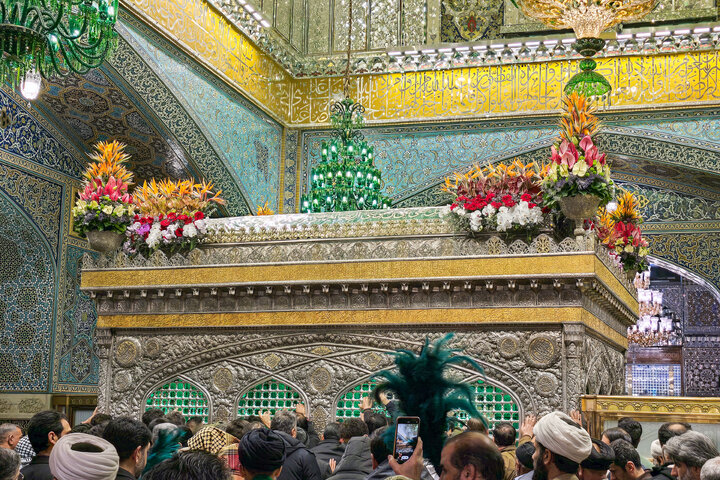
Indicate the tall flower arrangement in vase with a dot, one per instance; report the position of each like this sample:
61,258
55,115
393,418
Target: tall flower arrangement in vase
577,167
497,198
172,216
104,203
620,232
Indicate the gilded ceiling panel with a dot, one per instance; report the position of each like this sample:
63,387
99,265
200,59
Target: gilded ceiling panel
299,25
384,21
340,26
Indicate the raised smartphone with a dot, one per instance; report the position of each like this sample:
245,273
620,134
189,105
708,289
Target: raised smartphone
406,437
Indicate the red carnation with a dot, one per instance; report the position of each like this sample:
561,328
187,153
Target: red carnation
526,197
178,232
200,215
165,223
496,205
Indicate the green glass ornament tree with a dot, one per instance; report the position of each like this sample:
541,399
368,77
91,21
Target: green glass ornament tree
346,178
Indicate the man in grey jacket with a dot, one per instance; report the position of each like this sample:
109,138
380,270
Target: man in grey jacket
355,463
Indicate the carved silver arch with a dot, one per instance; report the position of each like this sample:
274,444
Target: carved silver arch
170,379
295,386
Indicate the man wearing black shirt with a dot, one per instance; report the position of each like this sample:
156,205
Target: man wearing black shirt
44,430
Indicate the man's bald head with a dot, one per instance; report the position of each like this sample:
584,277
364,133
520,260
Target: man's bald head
672,429
474,451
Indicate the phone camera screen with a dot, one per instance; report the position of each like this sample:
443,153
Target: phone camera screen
407,435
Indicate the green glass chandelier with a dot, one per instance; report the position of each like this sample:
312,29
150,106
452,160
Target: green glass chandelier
346,178
588,82
47,38
588,19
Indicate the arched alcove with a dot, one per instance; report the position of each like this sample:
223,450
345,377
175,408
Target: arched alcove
181,394
27,300
272,394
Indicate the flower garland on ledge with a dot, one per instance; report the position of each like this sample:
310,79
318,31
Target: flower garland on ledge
104,203
620,232
172,216
499,198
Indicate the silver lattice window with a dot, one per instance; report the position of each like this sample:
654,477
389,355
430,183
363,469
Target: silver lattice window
492,402
348,405
180,395
271,396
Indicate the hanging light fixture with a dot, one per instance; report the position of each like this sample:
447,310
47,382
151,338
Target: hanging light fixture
47,38
346,178
588,19
30,86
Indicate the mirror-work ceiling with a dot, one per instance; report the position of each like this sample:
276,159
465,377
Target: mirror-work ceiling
319,27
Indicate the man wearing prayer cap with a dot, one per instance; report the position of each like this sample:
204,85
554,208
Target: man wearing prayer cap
596,466
560,446
525,466
79,456
262,454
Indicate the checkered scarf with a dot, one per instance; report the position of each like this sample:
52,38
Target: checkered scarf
25,450
229,454
211,440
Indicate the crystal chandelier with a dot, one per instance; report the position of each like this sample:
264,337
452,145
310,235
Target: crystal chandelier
656,325
588,19
46,38
656,330
346,178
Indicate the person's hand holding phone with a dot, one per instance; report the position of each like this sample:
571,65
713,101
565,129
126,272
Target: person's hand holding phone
413,467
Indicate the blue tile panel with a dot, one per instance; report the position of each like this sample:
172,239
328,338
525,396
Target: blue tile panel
249,141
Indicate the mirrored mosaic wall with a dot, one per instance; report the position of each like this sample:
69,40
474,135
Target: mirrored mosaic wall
654,380
319,27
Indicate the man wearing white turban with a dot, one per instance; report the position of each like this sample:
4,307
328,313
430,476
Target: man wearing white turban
79,456
560,446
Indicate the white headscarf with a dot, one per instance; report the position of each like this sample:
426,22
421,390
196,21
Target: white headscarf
69,464
656,449
560,434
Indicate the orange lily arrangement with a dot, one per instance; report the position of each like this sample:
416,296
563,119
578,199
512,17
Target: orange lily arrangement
104,202
498,197
172,216
577,167
620,232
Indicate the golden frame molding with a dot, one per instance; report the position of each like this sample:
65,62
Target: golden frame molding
599,409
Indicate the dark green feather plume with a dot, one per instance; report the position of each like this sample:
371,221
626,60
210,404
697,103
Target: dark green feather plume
420,385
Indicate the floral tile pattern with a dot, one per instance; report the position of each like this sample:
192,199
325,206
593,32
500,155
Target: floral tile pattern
249,141
27,297
93,107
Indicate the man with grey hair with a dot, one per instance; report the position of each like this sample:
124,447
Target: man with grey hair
300,463
9,464
10,435
711,469
689,452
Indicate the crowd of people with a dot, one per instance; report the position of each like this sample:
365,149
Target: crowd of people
166,446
